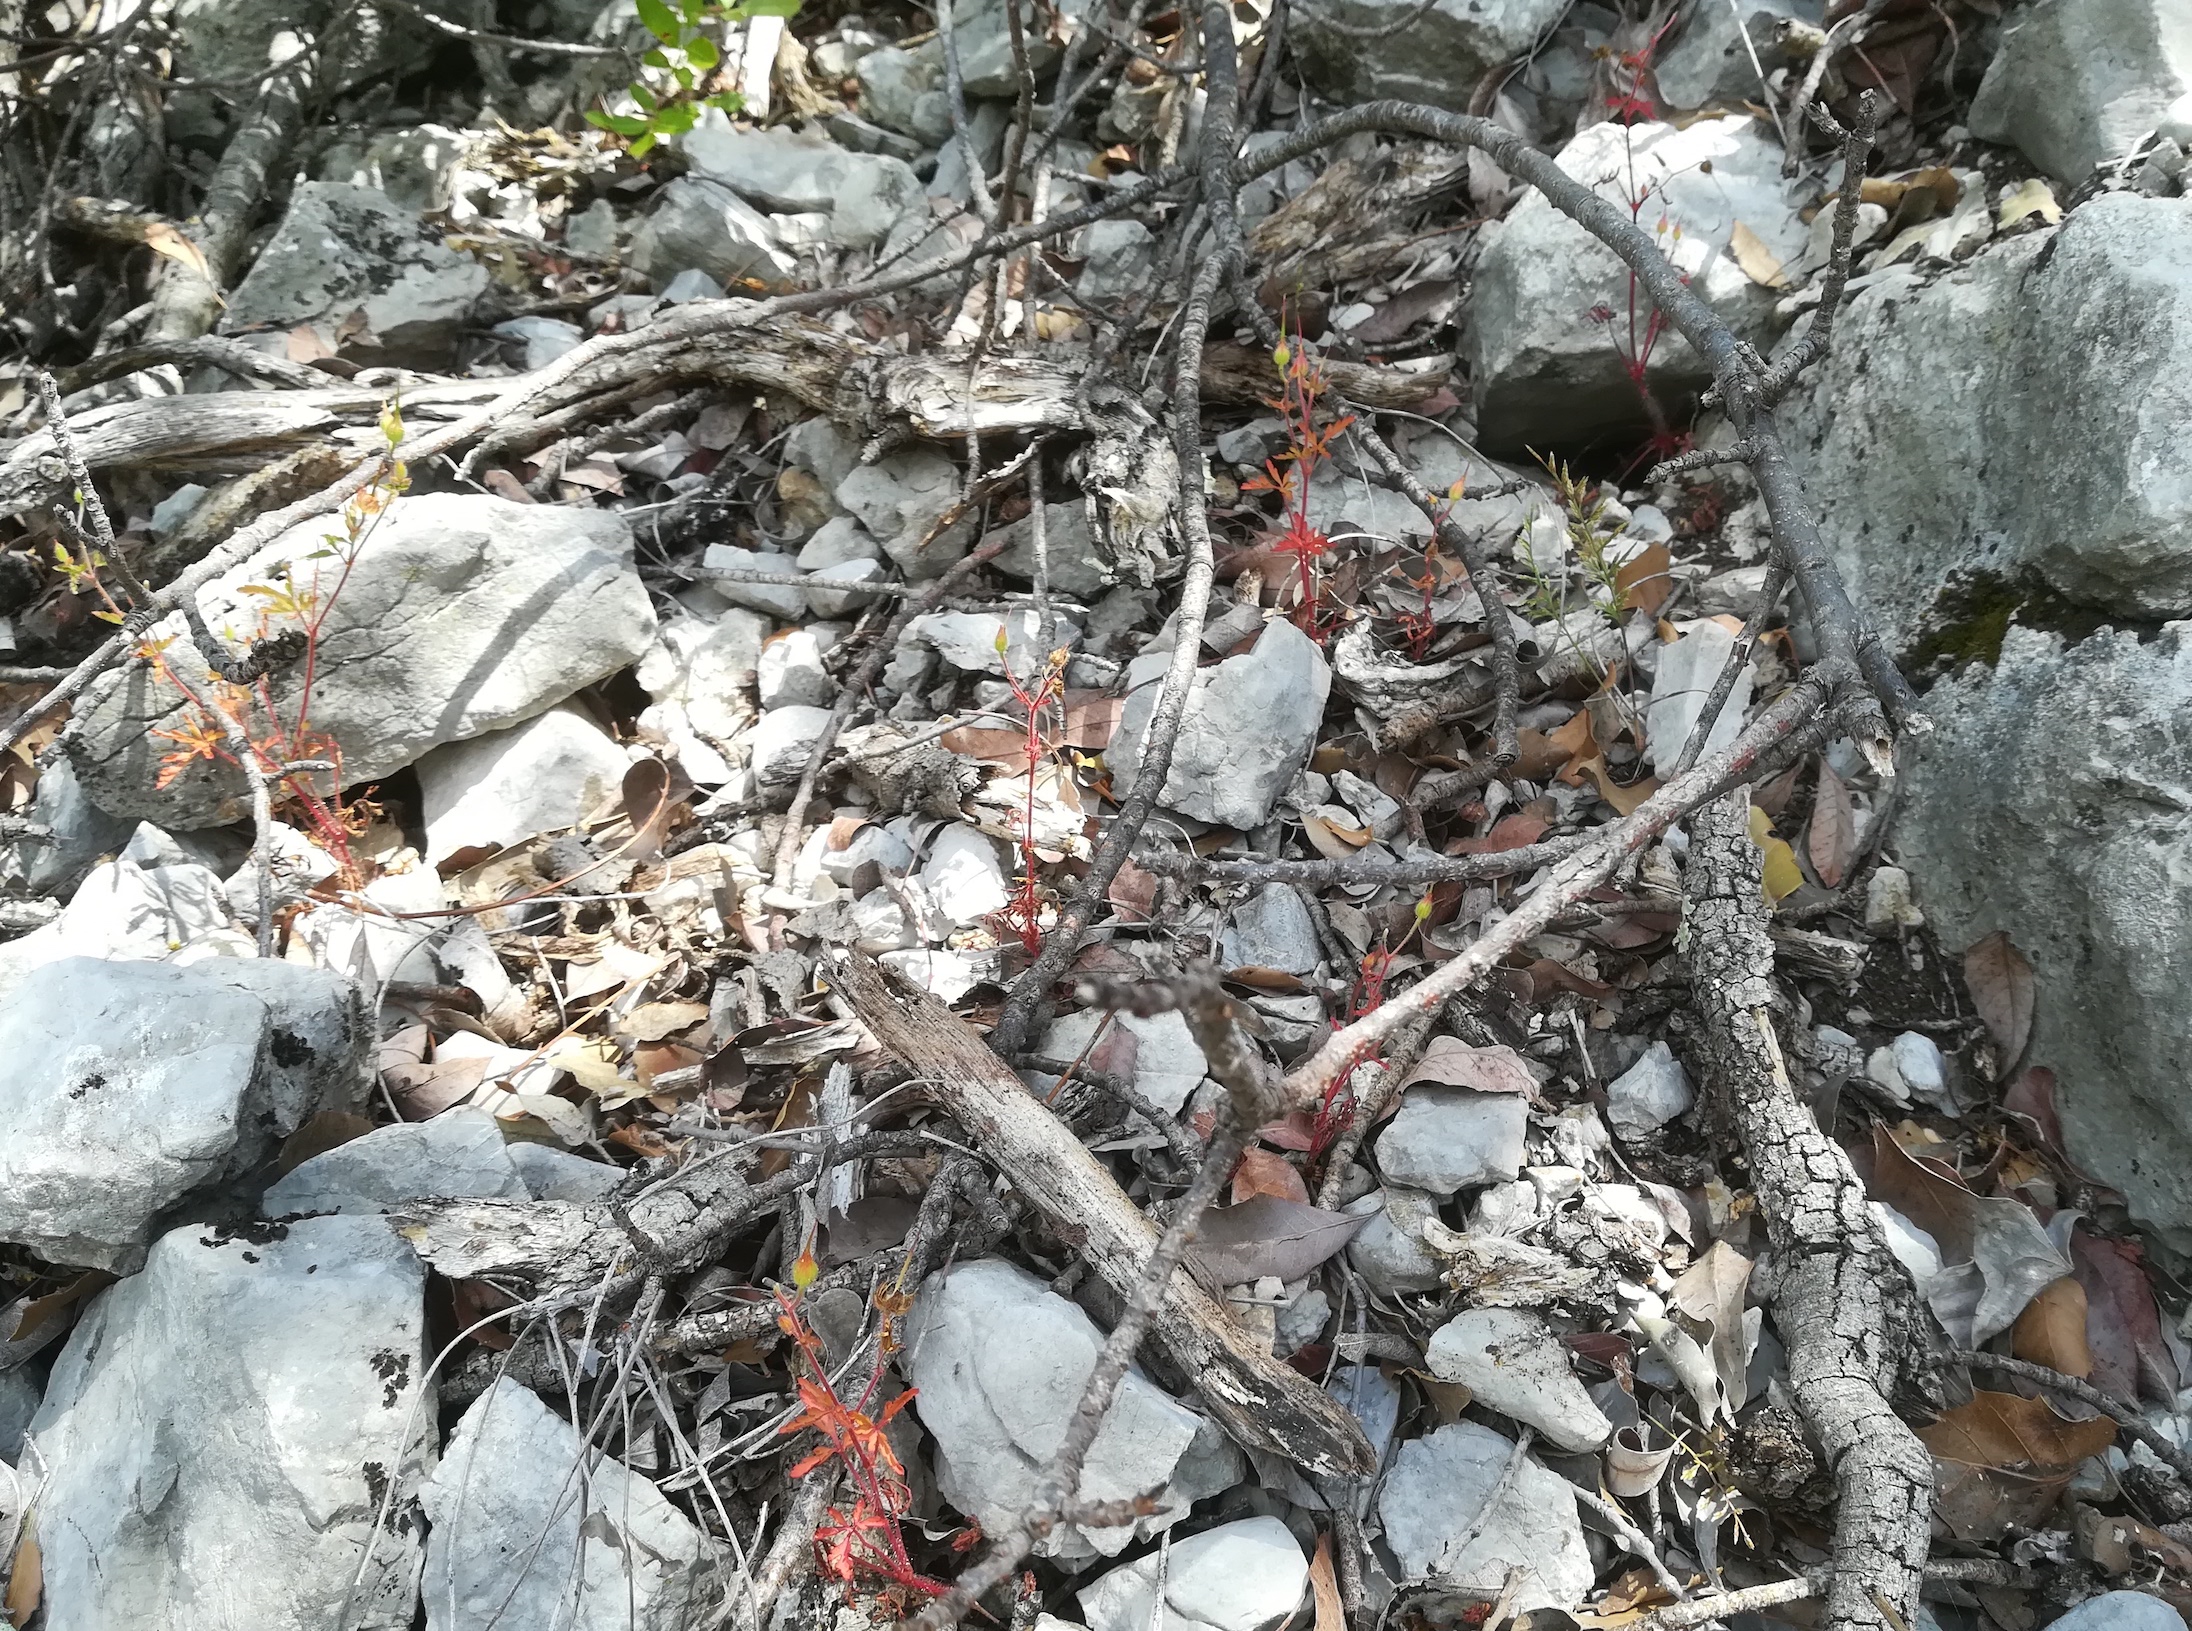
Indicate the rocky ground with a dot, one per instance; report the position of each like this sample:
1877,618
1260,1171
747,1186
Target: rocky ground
826,819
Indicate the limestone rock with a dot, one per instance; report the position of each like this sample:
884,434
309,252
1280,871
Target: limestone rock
463,614
999,1363
2075,82
347,254
1250,724
1442,1483
2078,753
863,194
1514,1364
509,786
1240,1576
139,1083
458,1153
703,225
528,1527
1447,1138
1438,57
2013,420
223,1429
1546,369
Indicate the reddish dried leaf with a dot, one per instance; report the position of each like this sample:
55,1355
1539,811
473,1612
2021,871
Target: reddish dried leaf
1832,842
1999,977
2031,1098
1296,1132
1134,893
1258,978
993,745
1271,1236
1510,832
1265,1172
1091,718
2131,1358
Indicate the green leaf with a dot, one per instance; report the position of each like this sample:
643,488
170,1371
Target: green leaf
643,96
643,146
684,77
676,119
624,124
693,11
767,8
656,58
660,21
729,101
700,51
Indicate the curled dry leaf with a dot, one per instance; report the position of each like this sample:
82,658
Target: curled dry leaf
1999,977
1636,1459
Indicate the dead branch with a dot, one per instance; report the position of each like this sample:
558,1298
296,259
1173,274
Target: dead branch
1840,1300
1260,1401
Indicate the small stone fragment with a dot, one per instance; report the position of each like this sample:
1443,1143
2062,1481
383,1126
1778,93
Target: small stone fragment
1514,1364
1447,1138
1649,1094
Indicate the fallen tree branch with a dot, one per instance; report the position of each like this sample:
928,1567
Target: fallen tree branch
1260,1401
1840,1300
1793,721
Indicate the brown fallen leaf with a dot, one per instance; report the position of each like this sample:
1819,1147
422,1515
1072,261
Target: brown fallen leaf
26,1579
2051,1330
1266,1172
1646,579
1999,977
1451,1061
1832,840
1760,264
164,238
2009,1431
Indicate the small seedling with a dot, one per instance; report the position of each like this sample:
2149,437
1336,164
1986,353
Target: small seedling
670,95
1289,474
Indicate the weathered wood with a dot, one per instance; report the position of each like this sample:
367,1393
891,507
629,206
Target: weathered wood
1260,1401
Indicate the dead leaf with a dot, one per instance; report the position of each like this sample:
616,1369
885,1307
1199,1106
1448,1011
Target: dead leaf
1780,875
1646,579
325,1130
657,1021
2035,197
992,744
2000,1237
1999,977
1759,263
1324,1584
1268,1235
26,1579
2051,1330
2007,1430
650,800
164,238
2131,1358
1489,1070
2031,1098
1515,831
1266,1172
1832,841
1711,1292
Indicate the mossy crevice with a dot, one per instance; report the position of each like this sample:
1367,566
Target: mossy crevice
1973,615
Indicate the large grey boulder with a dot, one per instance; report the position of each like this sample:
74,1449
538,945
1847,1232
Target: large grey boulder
863,194
701,225
2075,82
1547,370
363,274
2017,419
136,1084
233,1434
528,1527
999,1363
1456,1518
1364,50
2051,803
1250,725
464,614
